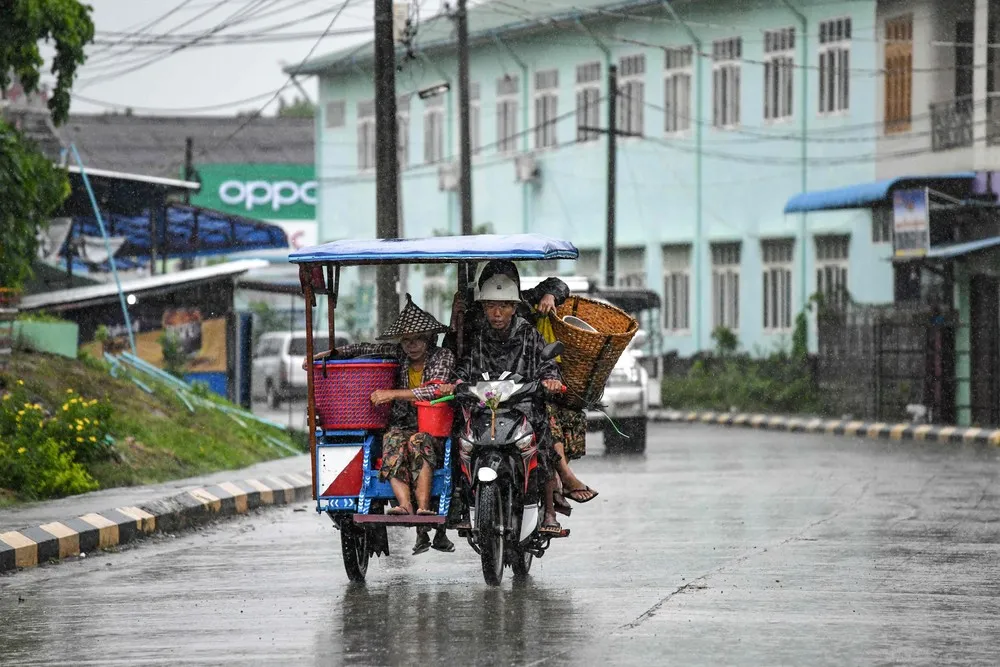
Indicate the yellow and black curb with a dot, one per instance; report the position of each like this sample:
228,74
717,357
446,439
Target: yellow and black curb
851,429
103,530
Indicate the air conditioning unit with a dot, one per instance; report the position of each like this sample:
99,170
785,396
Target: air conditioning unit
448,177
526,169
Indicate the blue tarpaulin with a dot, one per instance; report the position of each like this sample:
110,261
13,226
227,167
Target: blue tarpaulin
439,249
183,231
865,194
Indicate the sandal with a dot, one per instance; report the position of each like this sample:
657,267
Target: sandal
398,510
426,513
423,544
586,489
551,528
442,543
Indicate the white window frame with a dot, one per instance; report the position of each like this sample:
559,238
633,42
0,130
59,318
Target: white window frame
632,94
366,135
677,288
779,74
677,90
726,258
507,103
546,109
335,115
588,101
778,259
832,269
630,266
434,129
882,224
834,79
727,82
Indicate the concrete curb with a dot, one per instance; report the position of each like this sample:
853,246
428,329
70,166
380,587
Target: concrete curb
102,530
852,429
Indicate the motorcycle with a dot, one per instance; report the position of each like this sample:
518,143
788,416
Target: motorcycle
498,457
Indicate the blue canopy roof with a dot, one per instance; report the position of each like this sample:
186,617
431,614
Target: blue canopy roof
184,231
438,249
865,194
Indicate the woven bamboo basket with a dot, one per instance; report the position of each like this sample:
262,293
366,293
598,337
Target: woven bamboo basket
589,356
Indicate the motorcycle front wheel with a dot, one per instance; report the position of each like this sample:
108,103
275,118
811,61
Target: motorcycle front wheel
489,521
522,564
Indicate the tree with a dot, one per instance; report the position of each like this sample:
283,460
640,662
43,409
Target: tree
33,188
299,108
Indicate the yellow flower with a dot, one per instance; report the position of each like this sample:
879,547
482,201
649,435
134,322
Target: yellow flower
20,413
65,408
38,406
79,427
20,383
6,397
21,450
79,439
69,391
41,423
93,439
96,422
86,420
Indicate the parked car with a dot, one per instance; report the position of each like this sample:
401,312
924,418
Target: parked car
277,365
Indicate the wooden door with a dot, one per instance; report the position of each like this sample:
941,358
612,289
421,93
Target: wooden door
898,74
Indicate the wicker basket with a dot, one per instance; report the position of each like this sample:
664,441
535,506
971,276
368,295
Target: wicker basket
343,389
588,356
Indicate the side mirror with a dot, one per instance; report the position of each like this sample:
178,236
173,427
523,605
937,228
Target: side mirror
552,350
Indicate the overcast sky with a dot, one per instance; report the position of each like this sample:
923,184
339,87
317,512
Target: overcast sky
203,76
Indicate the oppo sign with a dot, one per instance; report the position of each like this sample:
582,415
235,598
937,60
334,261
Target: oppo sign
274,194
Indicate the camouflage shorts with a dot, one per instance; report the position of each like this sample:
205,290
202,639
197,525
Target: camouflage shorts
569,427
404,453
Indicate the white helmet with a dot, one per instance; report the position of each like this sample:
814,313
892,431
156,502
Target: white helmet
499,288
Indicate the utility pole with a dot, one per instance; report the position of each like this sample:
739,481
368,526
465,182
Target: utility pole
465,140
609,242
386,158
188,166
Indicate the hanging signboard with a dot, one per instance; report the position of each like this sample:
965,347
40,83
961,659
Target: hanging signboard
911,223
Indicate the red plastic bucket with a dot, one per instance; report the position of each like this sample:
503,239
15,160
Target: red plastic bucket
435,420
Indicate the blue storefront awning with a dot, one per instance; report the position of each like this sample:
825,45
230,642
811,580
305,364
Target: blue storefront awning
863,195
183,232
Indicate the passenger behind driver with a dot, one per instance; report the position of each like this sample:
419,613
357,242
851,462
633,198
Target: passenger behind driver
409,457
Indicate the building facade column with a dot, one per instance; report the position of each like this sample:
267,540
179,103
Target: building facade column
980,94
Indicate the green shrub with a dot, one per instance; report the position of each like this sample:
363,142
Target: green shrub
40,468
174,359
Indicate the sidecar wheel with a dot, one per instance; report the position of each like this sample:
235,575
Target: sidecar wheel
354,545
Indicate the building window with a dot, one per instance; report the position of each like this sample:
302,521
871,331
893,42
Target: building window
677,288
366,135
727,56
546,108
507,114
779,68
777,256
726,285
631,268
588,95
336,113
631,93
882,222
677,90
834,65
434,129
831,269
403,131
588,263
898,73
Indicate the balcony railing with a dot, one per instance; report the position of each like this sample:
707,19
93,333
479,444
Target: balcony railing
951,124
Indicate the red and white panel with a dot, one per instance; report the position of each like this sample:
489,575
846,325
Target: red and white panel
339,471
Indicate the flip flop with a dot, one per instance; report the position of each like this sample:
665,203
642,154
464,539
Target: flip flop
442,543
398,510
586,489
422,545
426,513
550,529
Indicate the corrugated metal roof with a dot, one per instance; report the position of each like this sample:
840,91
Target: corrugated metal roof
154,145
80,296
485,20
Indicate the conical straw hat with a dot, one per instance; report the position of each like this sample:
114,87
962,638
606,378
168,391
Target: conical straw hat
412,321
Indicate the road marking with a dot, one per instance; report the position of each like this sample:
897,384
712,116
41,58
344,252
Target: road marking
971,434
944,435
69,539
107,530
266,495
239,495
25,549
897,431
920,433
144,521
206,498
876,429
852,428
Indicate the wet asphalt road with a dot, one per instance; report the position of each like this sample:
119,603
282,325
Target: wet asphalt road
719,547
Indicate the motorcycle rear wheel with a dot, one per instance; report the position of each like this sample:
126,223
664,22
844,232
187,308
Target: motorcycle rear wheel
354,545
489,521
521,565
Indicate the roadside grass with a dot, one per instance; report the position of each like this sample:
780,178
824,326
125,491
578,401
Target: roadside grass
156,437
